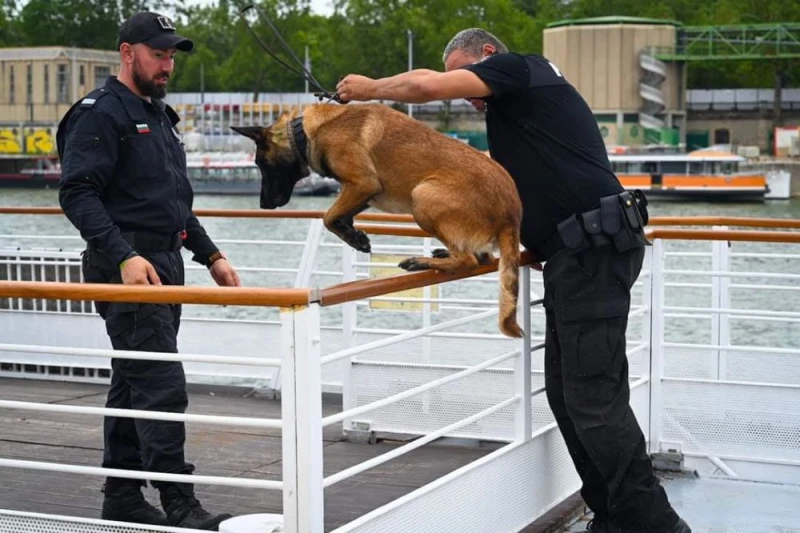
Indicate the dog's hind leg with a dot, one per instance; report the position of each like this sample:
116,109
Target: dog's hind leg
455,262
484,258
446,221
339,216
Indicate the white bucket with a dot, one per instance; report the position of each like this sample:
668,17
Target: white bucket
253,523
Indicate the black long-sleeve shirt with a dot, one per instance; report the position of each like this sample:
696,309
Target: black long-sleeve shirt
123,169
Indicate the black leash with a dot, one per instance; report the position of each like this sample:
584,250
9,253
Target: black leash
304,73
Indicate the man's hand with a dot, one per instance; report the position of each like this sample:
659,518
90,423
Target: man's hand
355,88
224,274
138,271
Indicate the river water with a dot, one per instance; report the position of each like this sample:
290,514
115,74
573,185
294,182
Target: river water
686,329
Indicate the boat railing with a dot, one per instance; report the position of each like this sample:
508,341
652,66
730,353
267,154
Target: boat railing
702,391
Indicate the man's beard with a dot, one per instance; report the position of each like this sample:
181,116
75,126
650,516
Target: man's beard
148,87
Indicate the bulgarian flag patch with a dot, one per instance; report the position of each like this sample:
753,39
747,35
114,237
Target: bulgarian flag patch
143,128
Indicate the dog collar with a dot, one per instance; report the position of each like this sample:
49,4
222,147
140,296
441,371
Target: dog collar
298,139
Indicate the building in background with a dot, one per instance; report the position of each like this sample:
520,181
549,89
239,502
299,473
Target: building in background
37,86
636,98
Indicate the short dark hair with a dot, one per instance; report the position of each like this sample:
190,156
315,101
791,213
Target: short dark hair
471,41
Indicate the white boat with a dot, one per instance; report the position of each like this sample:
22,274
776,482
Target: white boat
709,174
237,173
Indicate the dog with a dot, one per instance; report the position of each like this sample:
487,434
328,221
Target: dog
385,159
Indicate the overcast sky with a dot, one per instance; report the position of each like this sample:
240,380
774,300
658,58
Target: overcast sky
323,7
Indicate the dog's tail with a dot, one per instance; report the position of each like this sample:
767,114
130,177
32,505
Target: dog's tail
508,245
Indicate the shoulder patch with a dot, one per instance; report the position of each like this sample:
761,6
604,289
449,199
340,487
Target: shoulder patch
93,97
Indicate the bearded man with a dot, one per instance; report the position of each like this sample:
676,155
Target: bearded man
124,187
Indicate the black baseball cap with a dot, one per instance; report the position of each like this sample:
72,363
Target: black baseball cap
154,30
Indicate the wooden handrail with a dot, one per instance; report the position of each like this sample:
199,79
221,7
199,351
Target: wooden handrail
103,292
787,223
356,290
397,231
228,213
724,235
335,294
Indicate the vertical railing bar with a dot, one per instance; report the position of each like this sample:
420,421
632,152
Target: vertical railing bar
522,363
656,344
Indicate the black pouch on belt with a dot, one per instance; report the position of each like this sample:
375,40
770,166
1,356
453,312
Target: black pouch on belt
616,223
571,233
593,225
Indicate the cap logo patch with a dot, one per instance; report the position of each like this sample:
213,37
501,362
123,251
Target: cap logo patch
165,23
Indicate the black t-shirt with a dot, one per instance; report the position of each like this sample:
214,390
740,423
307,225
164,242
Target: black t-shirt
544,133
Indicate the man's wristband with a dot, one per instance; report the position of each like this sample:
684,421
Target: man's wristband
126,259
216,256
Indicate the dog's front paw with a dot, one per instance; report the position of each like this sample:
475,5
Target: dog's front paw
414,263
359,240
441,253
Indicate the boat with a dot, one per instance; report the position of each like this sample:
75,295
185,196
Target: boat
29,171
237,173
708,174
209,173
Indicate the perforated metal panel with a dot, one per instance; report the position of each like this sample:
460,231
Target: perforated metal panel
730,419
19,522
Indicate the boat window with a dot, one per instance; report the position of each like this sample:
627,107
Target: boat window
673,167
651,167
729,167
697,167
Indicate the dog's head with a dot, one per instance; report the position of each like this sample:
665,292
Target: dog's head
278,162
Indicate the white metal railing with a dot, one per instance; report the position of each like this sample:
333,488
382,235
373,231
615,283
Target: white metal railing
505,375
728,405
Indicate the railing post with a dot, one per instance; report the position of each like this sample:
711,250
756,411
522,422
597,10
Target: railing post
724,303
301,409
716,259
309,258
349,320
656,343
647,296
522,363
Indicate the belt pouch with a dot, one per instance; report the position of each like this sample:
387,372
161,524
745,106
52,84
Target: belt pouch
571,233
594,228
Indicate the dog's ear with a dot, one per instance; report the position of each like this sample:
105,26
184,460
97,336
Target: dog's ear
253,132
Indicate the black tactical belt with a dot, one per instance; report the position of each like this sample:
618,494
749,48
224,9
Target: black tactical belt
143,241
619,221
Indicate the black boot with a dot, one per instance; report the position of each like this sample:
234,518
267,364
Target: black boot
183,509
124,502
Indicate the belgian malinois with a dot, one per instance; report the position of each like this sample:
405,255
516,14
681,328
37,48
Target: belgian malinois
388,160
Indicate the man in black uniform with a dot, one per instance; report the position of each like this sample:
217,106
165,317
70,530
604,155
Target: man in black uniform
124,187
578,218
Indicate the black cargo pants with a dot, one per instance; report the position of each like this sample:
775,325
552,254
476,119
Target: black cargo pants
138,444
587,300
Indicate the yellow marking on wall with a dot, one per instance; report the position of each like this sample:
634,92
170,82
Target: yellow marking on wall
380,271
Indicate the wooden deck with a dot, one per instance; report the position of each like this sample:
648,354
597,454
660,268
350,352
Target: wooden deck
226,451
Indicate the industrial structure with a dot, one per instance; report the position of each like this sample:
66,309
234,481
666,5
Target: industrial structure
633,71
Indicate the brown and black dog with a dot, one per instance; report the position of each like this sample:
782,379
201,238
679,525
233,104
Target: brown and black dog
388,160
